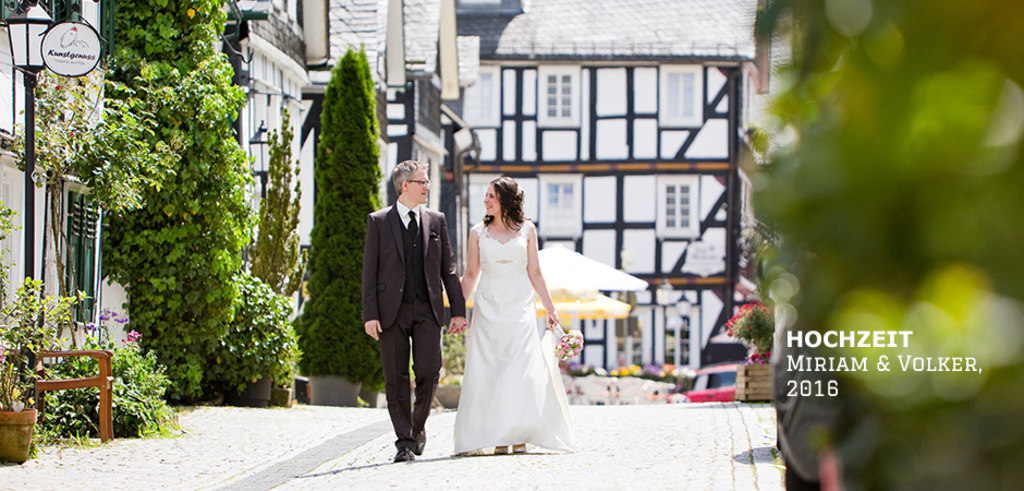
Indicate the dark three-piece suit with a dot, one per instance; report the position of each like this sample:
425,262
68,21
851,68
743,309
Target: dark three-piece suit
404,269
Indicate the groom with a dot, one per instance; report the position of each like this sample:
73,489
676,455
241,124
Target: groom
406,258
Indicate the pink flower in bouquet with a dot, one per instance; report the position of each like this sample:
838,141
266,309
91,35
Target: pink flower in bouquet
570,345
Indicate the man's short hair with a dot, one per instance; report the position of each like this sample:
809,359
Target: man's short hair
403,172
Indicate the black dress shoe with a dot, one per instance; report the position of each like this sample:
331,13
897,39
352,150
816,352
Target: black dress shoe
404,455
421,441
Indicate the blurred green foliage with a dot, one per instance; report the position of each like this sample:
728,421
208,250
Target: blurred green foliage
895,182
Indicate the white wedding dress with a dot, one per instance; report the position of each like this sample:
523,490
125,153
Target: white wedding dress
512,390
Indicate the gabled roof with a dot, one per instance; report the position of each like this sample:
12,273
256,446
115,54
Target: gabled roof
364,23
356,23
422,21
630,29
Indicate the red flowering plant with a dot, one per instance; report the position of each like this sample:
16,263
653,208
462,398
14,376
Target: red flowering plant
754,325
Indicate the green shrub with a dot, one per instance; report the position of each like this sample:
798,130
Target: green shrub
260,342
348,175
177,255
139,386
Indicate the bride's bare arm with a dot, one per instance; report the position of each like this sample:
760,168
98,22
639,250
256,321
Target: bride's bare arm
536,276
472,275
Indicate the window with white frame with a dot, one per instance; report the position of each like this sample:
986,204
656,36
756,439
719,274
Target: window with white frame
481,100
681,95
561,206
558,96
677,206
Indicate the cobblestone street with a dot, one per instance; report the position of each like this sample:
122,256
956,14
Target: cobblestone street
680,446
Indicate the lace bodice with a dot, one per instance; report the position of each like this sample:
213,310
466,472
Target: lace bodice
503,264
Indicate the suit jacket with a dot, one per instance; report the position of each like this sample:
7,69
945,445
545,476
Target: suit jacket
384,266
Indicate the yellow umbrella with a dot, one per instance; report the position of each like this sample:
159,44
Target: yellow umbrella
598,307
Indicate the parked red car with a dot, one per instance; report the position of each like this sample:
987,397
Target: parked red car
713,384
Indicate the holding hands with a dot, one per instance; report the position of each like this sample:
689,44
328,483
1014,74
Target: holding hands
457,325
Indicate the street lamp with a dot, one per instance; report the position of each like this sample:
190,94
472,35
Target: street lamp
260,140
26,27
663,295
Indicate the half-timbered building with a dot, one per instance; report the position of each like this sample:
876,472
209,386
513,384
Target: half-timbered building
624,121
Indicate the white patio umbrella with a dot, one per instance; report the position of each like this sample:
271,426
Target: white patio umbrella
569,272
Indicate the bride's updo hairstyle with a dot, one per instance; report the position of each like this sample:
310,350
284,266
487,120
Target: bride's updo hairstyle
511,199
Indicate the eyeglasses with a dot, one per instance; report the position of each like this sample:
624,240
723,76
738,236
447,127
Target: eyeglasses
422,182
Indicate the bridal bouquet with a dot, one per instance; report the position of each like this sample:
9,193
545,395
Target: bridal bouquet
570,345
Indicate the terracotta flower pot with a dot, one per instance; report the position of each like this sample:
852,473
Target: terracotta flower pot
16,434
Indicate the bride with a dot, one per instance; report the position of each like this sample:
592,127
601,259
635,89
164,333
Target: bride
512,392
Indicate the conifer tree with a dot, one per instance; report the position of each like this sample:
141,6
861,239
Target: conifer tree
331,335
276,256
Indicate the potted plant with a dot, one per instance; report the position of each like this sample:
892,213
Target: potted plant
453,356
259,346
28,324
754,325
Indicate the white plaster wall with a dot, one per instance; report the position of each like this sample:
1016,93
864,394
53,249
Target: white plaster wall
599,245
641,242
11,192
593,354
711,308
488,144
558,145
396,111
645,138
508,136
645,90
715,82
529,141
723,105
584,109
508,91
396,130
710,191
531,197
671,141
599,199
475,197
529,92
7,93
611,139
306,203
712,141
716,237
639,194
611,92
670,254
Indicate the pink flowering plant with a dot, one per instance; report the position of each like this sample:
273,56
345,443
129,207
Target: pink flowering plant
140,384
754,325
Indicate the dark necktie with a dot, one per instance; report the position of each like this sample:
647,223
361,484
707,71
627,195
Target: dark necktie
413,228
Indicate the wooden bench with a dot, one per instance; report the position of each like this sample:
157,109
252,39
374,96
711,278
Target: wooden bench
104,381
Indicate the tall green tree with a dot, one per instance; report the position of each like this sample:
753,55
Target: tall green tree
176,255
348,176
896,189
277,258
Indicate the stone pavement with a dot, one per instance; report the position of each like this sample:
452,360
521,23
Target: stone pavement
678,446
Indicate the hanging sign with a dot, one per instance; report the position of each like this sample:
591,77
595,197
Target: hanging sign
71,49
